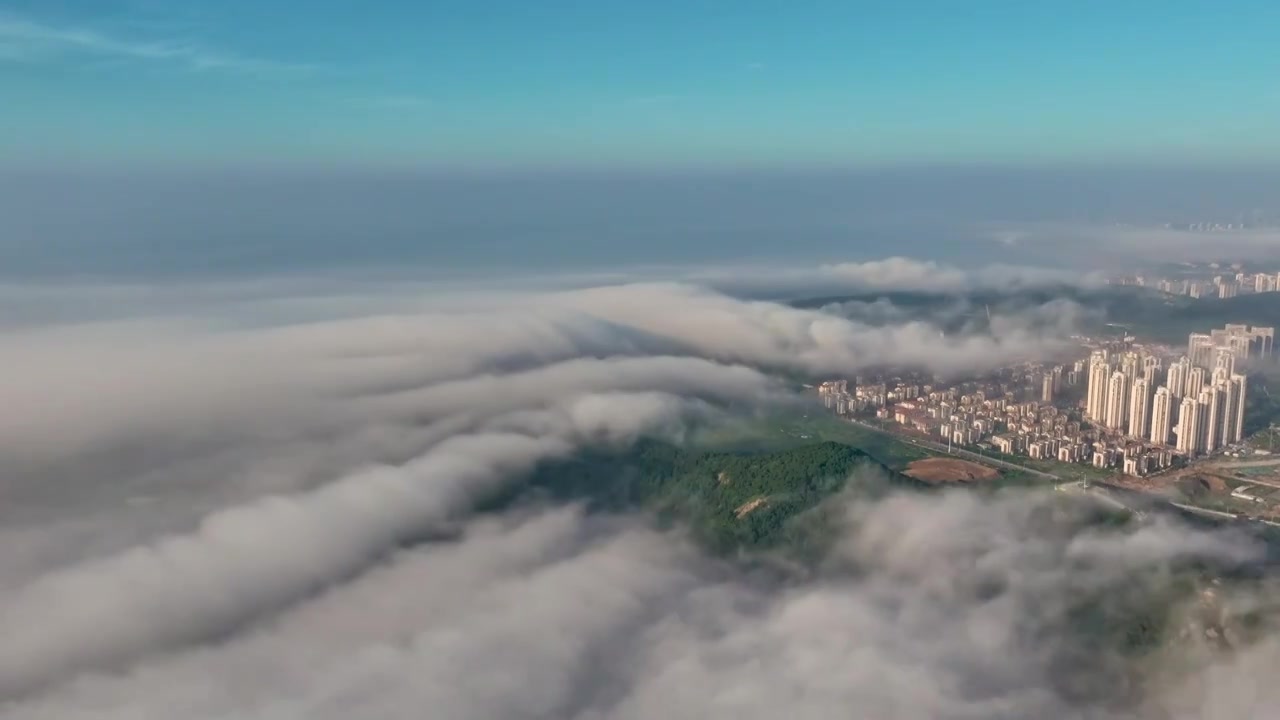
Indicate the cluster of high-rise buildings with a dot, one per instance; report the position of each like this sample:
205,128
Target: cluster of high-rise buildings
1225,285
1196,404
1137,409
1241,341
845,398
1011,412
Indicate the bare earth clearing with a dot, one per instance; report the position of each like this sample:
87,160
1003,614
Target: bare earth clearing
746,508
943,470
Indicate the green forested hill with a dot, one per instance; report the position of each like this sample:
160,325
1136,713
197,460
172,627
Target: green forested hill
773,500
729,499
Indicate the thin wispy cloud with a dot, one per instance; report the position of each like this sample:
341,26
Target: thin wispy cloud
30,41
393,102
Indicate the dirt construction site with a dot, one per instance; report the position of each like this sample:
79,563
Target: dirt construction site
949,470
1249,487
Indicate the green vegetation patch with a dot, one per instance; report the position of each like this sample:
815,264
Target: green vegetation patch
1262,405
789,430
729,499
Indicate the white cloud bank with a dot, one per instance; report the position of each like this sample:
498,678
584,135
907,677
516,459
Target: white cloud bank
892,274
204,518
940,607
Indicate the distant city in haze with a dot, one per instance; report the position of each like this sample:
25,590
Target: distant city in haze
1222,280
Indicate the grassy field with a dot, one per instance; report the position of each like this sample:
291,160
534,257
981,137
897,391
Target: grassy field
775,432
1067,471
783,431
1266,472
1268,440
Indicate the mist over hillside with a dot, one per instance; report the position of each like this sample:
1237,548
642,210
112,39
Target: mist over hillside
504,505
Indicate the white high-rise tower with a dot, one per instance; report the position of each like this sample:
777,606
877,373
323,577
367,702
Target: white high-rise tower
1117,407
1138,409
1225,360
1200,350
1177,379
1099,374
1131,365
1161,416
1241,384
1188,426
1215,411
1195,381
1151,374
1210,411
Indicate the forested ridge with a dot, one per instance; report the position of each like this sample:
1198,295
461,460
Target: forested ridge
728,499
773,501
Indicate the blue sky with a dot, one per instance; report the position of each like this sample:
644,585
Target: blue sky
661,83
154,137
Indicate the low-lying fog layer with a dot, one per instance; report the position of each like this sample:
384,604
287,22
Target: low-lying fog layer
205,514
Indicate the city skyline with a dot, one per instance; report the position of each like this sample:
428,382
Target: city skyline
1212,395
1126,410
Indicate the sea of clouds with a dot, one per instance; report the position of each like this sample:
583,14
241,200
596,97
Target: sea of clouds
257,500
